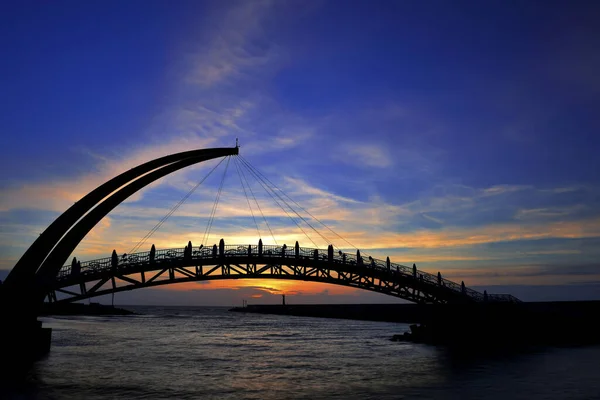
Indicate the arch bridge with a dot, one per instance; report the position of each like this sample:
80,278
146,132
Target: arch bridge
40,274
79,281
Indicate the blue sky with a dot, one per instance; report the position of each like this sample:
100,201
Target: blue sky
462,136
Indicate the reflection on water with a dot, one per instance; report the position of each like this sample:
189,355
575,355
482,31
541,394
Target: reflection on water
198,352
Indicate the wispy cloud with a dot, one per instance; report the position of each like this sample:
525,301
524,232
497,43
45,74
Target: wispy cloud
547,213
527,274
502,189
237,45
282,139
368,223
365,154
60,193
378,172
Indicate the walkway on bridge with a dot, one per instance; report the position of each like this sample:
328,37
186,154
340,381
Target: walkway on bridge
166,266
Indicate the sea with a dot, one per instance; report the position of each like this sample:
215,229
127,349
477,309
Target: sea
213,353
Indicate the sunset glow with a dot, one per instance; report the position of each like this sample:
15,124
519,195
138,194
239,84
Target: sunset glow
413,141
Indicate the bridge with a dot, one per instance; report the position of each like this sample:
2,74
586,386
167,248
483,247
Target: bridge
41,274
161,267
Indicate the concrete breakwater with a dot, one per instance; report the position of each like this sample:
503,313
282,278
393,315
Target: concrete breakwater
469,325
408,313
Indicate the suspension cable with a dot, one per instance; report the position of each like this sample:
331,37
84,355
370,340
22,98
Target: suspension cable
269,190
295,202
257,205
237,167
285,202
214,209
173,209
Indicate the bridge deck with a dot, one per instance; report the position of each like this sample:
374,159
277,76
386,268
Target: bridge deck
281,262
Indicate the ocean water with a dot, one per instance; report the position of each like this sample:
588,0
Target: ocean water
211,353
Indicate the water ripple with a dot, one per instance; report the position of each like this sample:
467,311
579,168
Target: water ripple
195,352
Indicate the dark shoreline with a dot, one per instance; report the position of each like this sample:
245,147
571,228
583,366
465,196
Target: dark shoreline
490,325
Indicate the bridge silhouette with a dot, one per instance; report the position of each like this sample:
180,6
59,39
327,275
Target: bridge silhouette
169,266
41,273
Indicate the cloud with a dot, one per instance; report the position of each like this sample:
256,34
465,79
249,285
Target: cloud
169,295
502,189
264,287
60,193
283,139
370,224
527,274
365,154
363,223
300,187
432,219
237,45
548,212
391,204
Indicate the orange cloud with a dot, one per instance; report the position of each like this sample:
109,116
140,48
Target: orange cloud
519,275
272,286
451,237
59,194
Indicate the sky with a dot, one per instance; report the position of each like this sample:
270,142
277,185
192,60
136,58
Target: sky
461,136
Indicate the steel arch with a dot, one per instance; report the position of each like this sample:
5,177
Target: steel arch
65,247
25,269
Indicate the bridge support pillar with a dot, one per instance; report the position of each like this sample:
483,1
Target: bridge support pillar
22,336
22,346
24,341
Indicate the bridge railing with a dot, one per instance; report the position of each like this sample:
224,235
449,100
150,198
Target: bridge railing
421,275
168,254
278,251
267,251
